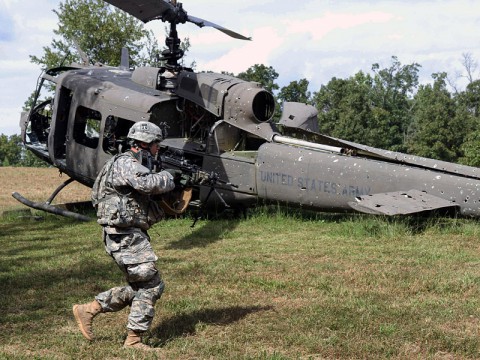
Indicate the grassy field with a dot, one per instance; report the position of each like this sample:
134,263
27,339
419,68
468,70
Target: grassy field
36,184
276,285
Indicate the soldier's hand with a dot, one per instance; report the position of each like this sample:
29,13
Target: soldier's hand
177,174
185,180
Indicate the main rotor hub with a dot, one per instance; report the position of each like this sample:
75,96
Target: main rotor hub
173,53
172,12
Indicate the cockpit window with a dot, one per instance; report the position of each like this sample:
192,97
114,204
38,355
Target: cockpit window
115,134
86,130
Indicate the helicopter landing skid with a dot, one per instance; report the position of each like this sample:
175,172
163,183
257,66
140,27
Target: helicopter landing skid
48,207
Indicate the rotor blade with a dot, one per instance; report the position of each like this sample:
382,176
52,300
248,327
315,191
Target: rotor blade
145,10
201,23
82,54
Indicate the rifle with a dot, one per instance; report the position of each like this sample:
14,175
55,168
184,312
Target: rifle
177,160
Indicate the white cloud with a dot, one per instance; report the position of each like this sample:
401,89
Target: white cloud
319,27
249,53
10,120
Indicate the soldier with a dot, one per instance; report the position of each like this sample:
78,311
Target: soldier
122,196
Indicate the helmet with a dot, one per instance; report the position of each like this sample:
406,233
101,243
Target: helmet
146,132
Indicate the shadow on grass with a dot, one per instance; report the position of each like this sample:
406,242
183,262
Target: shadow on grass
186,324
19,226
202,236
44,267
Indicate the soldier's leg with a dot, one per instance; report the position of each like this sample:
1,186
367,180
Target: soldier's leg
84,314
149,286
116,298
111,300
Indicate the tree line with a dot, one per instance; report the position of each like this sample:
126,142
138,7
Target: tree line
385,108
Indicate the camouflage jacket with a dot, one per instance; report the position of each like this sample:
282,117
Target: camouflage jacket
121,193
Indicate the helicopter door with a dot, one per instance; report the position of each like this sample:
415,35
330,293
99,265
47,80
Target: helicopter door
83,142
58,133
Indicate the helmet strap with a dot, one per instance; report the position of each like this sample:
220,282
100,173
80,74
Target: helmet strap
144,157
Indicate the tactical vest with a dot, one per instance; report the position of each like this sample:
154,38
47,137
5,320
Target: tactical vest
122,209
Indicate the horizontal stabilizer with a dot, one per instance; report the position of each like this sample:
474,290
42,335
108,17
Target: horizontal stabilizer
400,203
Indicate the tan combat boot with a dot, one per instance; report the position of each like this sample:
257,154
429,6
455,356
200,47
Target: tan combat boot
134,341
84,315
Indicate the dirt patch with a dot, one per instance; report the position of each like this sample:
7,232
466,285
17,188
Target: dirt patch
37,184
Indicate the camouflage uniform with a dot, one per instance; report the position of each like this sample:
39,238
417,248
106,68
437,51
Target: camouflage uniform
121,195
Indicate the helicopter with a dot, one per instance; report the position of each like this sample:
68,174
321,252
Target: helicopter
223,125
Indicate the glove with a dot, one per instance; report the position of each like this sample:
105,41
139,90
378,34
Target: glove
175,173
185,180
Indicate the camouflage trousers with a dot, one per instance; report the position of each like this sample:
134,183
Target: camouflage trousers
135,257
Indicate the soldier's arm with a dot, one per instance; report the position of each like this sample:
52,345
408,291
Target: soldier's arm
137,176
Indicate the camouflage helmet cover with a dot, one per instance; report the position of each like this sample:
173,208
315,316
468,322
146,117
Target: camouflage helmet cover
146,132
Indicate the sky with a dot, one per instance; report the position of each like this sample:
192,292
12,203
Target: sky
312,39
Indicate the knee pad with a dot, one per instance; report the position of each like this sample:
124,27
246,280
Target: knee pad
152,291
141,272
146,281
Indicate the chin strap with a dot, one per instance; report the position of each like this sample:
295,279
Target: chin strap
145,158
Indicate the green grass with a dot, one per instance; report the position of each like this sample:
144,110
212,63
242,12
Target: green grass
273,286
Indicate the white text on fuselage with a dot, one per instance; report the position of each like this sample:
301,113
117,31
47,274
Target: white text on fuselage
313,184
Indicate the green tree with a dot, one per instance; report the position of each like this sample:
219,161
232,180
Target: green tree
470,98
296,91
395,85
436,132
100,31
10,150
392,92
468,111
345,109
471,149
265,75
371,109
13,153
30,160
